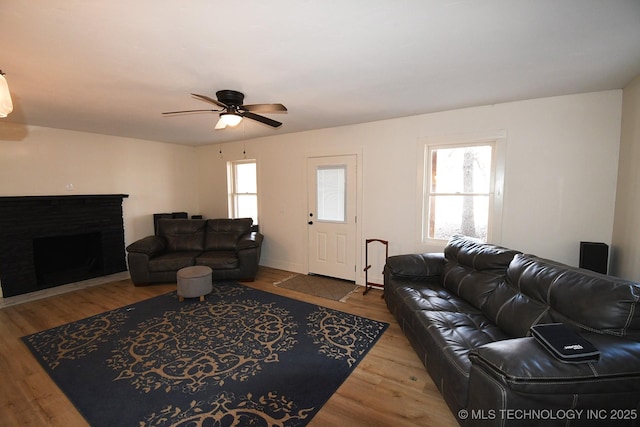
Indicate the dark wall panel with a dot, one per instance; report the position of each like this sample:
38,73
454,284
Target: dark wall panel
23,219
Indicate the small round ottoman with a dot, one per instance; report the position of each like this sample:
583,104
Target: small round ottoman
193,282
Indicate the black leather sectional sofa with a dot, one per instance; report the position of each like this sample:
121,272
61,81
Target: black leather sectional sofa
228,246
468,314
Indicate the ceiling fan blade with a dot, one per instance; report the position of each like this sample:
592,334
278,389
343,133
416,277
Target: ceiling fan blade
189,111
264,108
209,99
261,119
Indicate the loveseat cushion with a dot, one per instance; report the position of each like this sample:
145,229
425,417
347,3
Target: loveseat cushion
223,234
537,290
474,269
181,234
172,261
218,260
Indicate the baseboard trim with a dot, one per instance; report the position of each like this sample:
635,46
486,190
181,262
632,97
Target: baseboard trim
283,265
62,289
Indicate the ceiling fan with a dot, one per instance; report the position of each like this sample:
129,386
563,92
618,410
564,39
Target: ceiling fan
232,110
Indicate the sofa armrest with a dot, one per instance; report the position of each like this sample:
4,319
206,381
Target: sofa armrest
524,366
150,246
518,376
426,266
250,240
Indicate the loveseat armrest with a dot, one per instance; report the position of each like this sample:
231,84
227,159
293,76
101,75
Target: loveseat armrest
426,266
249,248
250,240
150,246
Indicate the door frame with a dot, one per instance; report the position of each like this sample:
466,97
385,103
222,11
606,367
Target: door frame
337,152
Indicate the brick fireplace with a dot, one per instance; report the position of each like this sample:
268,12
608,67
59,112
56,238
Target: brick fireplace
47,241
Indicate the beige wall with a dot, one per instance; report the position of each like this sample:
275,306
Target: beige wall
562,156
625,251
157,177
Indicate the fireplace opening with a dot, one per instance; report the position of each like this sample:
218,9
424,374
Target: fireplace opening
89,229
66,259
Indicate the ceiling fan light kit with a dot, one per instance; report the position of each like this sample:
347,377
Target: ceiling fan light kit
228,119
6,105
233,110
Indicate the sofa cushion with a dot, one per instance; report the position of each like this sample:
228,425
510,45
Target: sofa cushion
410,298
514,311
478,255
181,234
474,269
172,261
431,296
456,334
448,338
537,290
223,234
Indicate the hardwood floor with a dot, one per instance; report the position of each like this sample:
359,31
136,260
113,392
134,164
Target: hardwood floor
390,386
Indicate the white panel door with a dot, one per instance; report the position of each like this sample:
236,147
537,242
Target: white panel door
332,216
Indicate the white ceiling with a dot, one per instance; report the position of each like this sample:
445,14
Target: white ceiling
112,67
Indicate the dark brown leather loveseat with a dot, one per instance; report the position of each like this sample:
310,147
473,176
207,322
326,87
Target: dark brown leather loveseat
468,314
228,246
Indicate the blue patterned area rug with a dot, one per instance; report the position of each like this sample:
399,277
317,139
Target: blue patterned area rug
241,357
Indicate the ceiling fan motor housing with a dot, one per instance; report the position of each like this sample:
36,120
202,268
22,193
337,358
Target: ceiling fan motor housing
230,97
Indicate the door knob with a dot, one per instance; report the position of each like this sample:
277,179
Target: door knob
310,223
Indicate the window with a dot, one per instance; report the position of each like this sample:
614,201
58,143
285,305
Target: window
243,189
459,190
332,193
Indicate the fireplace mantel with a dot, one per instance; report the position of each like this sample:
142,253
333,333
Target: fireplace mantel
58,198
28,219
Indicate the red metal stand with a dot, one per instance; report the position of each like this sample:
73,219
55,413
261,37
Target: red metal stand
369,285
